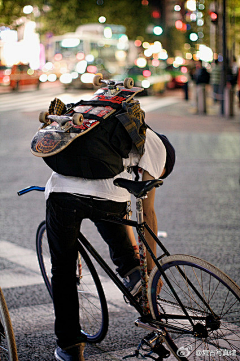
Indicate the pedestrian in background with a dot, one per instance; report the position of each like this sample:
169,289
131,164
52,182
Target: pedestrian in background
202,78
238,83
232,73
234,68
215,80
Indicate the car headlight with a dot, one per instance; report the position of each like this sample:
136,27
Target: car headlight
43,78
66,78
145,84
87,78
52,77
74,75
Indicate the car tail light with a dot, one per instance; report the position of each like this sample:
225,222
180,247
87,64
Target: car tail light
92,69
181,79
146,73
6,79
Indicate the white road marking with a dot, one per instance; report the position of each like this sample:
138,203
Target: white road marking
26,271
34,101
25,260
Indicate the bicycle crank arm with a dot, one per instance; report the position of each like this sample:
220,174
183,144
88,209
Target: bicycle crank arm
147,327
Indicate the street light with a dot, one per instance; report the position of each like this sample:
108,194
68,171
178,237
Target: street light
28,9
102,19
193,37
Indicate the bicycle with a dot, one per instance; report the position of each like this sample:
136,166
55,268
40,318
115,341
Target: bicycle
195,314
8,348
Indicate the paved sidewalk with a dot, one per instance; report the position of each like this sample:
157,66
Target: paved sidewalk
183,116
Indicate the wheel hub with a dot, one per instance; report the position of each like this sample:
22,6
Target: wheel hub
213,322
199,330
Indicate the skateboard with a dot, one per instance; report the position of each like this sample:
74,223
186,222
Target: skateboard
58,131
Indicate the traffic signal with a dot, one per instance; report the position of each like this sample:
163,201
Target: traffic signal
214,17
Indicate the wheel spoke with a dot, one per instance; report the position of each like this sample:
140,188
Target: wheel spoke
212,300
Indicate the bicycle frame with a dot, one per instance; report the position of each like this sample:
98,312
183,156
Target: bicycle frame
143,311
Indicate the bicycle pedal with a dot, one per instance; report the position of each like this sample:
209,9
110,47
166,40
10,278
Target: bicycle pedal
161,351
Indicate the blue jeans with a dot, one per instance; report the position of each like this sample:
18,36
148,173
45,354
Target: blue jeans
64,214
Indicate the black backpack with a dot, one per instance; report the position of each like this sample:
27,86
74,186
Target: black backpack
95,155
98,153
171,156
170,159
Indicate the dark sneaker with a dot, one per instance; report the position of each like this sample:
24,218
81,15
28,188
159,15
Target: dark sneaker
72,354
133,282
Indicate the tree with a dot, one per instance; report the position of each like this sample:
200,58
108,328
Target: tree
10,11
174,40
66,16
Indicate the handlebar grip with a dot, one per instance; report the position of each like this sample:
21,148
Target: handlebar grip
29,189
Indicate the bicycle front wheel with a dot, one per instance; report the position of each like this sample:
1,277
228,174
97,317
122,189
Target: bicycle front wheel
8,348
92,302
212,300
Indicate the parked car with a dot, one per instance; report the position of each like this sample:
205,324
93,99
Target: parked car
22,74
5,72
178,76
152,79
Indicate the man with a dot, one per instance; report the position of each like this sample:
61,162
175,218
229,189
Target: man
69,201
202,78
216,80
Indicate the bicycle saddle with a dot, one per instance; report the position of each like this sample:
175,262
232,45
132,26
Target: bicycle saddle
138,189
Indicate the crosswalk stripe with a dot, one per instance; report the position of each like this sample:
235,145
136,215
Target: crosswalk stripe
21,101
23,104
20,256
43,105
15,278
34,101
26,271
9,98
158,103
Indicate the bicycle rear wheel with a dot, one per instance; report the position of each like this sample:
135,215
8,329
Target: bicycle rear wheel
213,303
43,254
92,302
8,348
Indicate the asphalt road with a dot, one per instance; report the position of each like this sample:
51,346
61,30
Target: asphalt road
198,206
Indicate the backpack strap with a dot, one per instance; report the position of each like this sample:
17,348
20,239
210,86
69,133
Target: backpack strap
133,121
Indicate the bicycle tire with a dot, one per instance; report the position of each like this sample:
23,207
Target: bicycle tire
43,255
93,309
221,295
8,348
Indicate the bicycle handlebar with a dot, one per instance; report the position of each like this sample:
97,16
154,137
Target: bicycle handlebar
29,189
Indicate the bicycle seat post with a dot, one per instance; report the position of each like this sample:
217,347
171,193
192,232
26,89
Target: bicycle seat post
142,254
139,210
